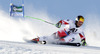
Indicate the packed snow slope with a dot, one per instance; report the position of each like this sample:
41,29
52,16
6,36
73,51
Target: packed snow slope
7,47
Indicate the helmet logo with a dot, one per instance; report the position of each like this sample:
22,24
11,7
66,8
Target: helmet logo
76,19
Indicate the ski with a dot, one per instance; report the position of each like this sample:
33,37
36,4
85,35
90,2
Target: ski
39,42
44,42
70,44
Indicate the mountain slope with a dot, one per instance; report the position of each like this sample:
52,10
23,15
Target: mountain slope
30,48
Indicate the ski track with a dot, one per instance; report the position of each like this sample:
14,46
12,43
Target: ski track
7,47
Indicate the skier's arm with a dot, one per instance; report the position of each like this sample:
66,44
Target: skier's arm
58,25
83,40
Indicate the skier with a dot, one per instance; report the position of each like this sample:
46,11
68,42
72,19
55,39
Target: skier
68,34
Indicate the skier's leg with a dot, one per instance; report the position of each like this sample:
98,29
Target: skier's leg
68,39
49,39
60,34
55,37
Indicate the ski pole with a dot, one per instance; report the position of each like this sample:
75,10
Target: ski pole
40,20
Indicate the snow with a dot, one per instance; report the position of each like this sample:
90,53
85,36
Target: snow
17,29
8,47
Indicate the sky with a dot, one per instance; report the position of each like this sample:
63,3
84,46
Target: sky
60,8
55,10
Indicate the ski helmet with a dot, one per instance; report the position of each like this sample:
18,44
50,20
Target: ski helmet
79,18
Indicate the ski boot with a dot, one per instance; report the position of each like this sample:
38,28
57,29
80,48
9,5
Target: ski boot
35,40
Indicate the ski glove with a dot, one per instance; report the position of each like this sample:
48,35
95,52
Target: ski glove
58,25
83,42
